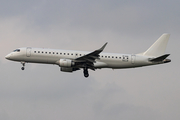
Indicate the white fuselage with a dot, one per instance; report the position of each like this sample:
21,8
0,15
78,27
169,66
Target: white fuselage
52,56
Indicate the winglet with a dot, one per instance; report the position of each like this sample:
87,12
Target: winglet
102,48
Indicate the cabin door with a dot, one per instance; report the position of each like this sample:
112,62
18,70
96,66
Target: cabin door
28,52
133,57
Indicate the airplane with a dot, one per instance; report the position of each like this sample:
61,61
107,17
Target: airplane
70,60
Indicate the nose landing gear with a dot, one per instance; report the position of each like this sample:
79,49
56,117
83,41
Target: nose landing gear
23,63
86,74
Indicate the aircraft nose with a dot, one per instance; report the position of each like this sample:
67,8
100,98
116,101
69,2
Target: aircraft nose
8,56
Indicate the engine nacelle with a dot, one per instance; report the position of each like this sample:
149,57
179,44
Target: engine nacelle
67,69
65,63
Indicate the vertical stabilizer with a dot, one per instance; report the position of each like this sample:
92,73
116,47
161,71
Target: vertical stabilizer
159,47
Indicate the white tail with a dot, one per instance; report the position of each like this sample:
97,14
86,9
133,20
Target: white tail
159,47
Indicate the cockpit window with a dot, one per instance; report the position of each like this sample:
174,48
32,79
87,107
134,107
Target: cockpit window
17,50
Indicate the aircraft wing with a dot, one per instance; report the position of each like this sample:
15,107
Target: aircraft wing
88,60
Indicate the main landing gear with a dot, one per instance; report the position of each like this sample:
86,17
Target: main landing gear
86,74
23,63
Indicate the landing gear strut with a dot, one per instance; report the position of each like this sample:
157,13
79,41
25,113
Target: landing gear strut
23,63
86,74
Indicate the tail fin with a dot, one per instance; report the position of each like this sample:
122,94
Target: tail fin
159,47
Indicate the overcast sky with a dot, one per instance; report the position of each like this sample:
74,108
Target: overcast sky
42,92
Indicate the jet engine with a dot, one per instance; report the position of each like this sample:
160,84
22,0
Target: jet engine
67,69
65,63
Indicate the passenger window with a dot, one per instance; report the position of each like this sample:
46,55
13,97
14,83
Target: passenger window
57,53
71,54
108,56
64,53
68,54
116,57
38,51
42,52
34,51
60,53
105,56
46,52
49,52
53,52
119,57
112,57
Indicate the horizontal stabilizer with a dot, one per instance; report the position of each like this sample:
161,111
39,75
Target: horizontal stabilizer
161,58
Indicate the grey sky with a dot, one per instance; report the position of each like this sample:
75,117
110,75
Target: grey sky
43,92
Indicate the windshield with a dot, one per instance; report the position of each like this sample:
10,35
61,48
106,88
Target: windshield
17,50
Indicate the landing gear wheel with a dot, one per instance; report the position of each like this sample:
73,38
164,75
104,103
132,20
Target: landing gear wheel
22,68
86,74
